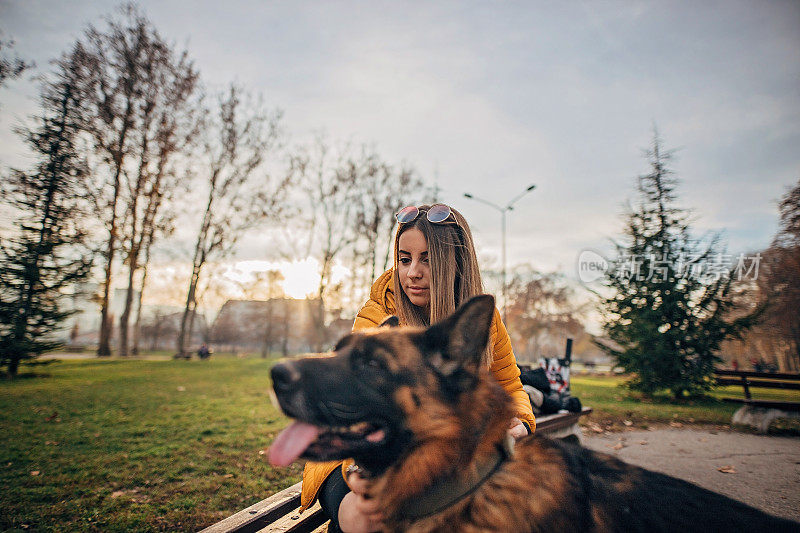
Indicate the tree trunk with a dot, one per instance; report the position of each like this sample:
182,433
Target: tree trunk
185,319
124,318
136,239
137,327
13,366
104,344
197,264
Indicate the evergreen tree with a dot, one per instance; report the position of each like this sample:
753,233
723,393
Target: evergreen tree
670,302
45,254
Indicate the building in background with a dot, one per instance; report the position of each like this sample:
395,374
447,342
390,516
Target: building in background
283,325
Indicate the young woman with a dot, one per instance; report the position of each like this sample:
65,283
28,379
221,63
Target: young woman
435,270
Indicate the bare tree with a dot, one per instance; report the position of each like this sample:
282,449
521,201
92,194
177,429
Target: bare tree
541,313
240,195
158,329
163,226
11,67
382,190
351,197
115,69
329,178
167,124
778,281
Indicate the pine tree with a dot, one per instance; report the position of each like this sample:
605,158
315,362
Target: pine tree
45,254
670,302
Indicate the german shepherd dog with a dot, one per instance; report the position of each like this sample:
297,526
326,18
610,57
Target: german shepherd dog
418,413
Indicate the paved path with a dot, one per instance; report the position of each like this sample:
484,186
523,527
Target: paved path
69,356
765,470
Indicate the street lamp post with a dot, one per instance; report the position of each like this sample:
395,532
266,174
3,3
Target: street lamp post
503,211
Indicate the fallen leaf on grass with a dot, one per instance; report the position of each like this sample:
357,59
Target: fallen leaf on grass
51,443
228,476
643,442
619,446
181,388
627,423
35,472
727,469
595,428
262,452
676,424
52,417
117,493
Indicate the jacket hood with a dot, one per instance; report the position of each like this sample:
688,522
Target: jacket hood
383,291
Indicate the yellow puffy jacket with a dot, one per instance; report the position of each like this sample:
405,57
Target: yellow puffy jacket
504,367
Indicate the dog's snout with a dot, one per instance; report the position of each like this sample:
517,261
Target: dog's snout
284,376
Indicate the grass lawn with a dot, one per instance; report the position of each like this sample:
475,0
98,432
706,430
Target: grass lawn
613,405
142,445
132,445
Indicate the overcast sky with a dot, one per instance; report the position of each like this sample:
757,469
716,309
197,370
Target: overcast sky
494,96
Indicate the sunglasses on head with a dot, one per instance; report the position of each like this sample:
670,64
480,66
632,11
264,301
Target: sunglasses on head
436,213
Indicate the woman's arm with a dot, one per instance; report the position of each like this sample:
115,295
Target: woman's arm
506,372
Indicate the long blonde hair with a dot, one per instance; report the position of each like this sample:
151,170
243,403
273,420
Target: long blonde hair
455,275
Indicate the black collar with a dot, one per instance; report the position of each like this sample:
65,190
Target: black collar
450,490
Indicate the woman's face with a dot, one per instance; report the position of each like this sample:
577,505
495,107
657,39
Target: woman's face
413,268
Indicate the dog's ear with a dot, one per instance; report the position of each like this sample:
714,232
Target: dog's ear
390,322
456,344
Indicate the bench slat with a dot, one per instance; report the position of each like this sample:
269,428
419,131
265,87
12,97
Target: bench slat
294,522
759,383
751,374
258,515
548,423
767,404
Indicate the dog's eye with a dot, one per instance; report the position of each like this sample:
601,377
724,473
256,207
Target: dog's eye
369,363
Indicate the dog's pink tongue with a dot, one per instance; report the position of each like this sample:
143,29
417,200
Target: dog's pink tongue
291,442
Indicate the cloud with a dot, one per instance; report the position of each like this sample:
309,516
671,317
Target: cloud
495,97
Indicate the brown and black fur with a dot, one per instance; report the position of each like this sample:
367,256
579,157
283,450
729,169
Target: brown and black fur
442,414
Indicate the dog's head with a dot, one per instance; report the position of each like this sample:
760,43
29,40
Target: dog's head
363,399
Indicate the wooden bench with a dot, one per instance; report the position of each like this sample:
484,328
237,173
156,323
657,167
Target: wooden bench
760,413
280,512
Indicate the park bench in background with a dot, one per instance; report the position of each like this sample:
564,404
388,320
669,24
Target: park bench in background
279,512
760,413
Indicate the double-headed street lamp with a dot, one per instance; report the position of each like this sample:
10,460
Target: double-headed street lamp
503,211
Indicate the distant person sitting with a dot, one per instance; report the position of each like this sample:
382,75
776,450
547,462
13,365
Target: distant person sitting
203,352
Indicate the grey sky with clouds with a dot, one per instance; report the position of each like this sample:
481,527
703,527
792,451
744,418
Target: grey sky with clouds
494,96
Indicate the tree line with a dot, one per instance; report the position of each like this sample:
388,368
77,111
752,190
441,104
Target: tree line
130,143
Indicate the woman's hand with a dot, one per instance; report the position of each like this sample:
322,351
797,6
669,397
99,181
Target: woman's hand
517,429
357,514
